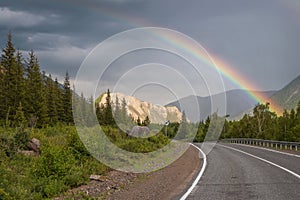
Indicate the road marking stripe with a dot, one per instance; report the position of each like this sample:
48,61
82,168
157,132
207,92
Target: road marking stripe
272,150
259,158
188,192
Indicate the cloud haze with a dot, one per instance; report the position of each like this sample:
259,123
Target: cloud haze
259,38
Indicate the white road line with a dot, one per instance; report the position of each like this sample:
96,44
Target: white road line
188,192
272,150
264,160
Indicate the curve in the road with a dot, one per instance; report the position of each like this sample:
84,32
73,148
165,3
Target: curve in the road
247,173
198,176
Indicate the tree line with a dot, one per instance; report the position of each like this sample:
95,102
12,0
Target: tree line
28,97
265,124
262,123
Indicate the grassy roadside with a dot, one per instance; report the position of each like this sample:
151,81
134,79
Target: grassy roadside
64,162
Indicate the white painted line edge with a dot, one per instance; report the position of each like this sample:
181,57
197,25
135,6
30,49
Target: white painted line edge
264,160
188,192
272,150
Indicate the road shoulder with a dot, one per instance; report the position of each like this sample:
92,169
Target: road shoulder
167,183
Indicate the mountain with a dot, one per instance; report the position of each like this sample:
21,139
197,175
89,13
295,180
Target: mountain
238,101
289,96
137,108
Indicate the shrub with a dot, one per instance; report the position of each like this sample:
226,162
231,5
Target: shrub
21,139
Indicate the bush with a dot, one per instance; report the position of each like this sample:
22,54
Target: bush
7,145
21,139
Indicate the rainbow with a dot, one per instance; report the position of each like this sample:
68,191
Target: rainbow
212,60
225,69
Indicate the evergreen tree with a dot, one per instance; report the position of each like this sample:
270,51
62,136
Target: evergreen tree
108,115
200,135
284,125
36,98
19,118
20,79
2,94
100,113
58,100
9,78
67,101
147,121
298,112
89,110
51,101
183,129
138,121
117,111
293,119
124,118
206,124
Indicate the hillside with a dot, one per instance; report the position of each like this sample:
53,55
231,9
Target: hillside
238,101
288,96
137,108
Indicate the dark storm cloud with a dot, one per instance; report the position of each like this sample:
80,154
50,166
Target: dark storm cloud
259,37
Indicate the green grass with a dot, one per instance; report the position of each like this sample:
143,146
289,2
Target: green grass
64,162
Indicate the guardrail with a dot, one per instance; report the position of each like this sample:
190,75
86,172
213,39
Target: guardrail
265,143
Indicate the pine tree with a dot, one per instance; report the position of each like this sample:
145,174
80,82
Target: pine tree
36,98
100,113
117,111
138,121
19,118
89,110
2,94
67,100
58,100
298,112
206,125
20,79
124,118
108,115
51,101
183,130
8,63
147,121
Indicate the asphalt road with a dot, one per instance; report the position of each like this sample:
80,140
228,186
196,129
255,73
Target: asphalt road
234,175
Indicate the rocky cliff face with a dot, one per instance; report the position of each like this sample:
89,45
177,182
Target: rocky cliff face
137,108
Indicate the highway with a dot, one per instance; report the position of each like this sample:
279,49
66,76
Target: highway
241,172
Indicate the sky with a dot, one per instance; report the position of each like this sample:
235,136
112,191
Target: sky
258,39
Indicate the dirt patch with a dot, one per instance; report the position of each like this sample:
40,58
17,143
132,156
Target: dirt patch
168,183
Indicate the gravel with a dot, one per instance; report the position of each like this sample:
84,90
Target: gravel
168,183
